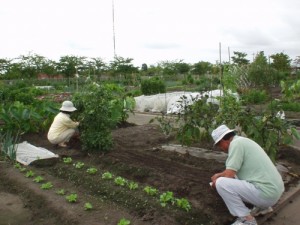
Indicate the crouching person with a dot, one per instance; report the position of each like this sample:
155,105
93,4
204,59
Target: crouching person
63,128
250,177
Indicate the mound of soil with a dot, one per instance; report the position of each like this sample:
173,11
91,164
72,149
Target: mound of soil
137,156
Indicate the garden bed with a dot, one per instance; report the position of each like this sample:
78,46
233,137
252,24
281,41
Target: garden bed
138,157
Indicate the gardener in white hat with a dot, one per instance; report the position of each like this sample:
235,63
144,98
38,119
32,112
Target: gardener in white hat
250,176
63,127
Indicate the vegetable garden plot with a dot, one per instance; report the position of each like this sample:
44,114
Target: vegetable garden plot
137,159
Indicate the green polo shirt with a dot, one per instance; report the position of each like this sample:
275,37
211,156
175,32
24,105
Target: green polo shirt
252,164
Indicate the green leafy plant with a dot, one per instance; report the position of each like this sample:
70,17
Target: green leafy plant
120,181
22,169
38,179
67,160
151,191
166,197
71,198
183,203
17,166
47,186
29,173
88,206
61,192
92,170
132,185
124,221
78,165
107,176
8,143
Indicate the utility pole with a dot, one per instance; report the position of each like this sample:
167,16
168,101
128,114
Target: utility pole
113,20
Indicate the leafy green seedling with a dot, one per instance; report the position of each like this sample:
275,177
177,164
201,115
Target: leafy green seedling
91,170
22,169
47,186
120,181
88,206
38,179
183,203
166,197
29,173
78,165
71,198
17,166
133,185
150,191
60,192
67,160
107,176
124,222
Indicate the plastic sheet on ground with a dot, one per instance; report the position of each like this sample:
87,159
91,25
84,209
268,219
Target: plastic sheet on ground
27,153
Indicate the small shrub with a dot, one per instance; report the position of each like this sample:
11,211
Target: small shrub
152,86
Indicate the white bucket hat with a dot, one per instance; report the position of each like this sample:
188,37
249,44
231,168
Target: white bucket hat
220,132
67,106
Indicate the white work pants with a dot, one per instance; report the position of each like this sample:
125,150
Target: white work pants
235,192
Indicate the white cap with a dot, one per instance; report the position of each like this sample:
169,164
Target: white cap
67,106
219,133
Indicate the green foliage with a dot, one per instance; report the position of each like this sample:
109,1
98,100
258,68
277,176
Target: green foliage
120,181
78,165
95,113
60,192
124,222
132,185
254,96
107,176
38,179
67,160
8,142
151,191
166,197
72,198
88,206
47,186
29,173
92,170
183,203
152,86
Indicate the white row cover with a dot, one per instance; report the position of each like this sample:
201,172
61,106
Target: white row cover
27,153
173,103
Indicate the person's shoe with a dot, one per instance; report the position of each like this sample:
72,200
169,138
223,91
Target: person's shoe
243,221
260,212
63,145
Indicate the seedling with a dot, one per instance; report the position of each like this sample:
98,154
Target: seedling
60,192
132,185
166,197
71,198
17,166
38,179
124,222
47,186
150,191
29,173
91,170
183,203
67,160
22,169
107,176
78,165
120,181
88,206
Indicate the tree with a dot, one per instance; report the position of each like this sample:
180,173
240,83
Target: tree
281,62
239,58
68,65
202,68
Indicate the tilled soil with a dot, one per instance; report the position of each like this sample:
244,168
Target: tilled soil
137,156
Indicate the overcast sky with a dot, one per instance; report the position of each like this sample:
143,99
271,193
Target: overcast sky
149,31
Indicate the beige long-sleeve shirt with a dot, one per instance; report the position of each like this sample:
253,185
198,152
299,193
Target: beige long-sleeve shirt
61,123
